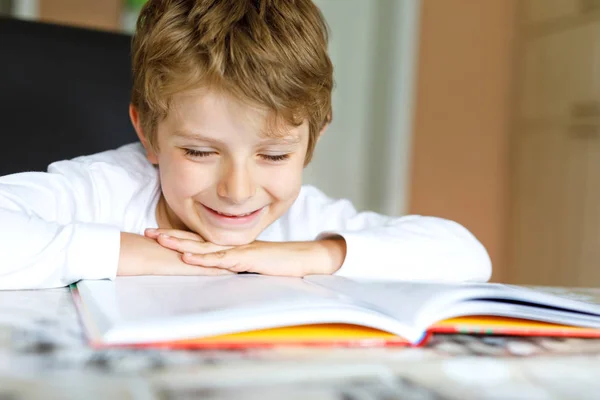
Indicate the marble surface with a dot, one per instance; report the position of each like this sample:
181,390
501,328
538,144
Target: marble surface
43,355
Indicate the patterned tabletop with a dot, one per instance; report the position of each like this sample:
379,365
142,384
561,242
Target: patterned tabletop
43,354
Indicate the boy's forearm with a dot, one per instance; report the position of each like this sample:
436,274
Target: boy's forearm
132,254
137,254
335,253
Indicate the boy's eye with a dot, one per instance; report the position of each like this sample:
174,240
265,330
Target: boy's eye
280,157
202,154
198,153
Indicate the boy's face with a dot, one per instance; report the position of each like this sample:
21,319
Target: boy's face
221,175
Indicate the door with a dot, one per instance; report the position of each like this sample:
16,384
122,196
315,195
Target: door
555,203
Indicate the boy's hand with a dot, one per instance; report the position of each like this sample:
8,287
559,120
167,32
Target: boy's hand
140,255
267,258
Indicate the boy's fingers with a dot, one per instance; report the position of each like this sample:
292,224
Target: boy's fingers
220,259
232,261
189,246
176,233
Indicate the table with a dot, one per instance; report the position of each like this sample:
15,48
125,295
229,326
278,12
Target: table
43,354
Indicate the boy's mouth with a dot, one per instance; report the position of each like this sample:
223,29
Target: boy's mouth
233,217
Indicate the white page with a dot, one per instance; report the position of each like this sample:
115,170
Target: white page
412,302
421,304
144,297
155,308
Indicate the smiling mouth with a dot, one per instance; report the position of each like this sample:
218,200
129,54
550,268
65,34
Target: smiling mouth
223,214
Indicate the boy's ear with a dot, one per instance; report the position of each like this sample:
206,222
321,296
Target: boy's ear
135,121
324,129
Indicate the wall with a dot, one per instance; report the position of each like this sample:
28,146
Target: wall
104,14
460,166
364,154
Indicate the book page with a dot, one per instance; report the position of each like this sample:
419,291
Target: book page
138,298
423,303
158,308
408,301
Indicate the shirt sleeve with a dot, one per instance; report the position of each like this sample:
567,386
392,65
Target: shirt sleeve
48,234
411,247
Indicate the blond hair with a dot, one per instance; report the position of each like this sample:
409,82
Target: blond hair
270,53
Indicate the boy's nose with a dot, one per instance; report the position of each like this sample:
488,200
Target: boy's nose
236,185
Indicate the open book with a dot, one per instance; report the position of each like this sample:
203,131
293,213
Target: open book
255,310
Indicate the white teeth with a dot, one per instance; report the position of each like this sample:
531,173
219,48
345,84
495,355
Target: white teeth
232,215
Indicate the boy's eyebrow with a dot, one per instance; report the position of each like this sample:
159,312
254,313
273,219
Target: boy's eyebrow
293,140
194,136
283,140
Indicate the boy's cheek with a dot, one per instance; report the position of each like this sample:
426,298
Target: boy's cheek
284,192
285,180
186,180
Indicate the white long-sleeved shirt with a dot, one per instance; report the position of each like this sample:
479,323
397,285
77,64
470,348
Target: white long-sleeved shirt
60,226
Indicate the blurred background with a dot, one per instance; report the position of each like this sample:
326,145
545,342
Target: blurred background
486,112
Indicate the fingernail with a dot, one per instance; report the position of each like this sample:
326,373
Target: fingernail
150,230
165,236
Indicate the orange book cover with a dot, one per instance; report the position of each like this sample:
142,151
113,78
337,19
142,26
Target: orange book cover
486,325
318,335
343,335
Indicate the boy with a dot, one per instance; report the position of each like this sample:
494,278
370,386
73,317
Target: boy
229,99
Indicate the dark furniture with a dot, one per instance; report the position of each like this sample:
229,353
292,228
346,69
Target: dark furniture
64,92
